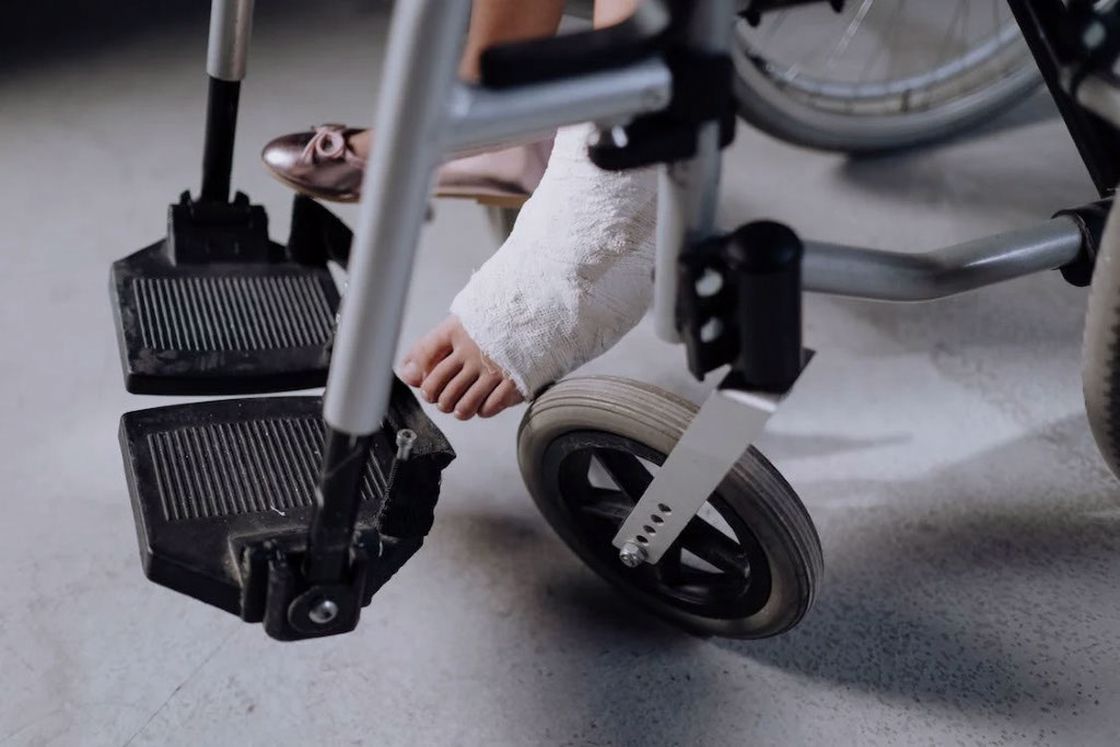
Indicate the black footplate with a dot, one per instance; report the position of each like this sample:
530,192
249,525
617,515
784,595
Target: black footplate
218,308
224,493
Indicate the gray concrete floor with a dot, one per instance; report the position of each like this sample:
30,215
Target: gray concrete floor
969,527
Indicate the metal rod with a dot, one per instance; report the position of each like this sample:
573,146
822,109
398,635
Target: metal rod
231,22
482,118
337,500
880,275
217,149
425,41
688,191
226,55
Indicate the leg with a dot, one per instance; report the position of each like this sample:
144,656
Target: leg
611,12
573,277
328,163
495,22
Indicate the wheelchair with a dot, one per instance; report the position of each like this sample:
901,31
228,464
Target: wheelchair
293,511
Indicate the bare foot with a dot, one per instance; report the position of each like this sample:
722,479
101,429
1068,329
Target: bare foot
451,371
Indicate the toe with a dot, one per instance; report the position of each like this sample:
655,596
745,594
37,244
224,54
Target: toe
505,395
410,373
469,403
464,382
445,370
425,355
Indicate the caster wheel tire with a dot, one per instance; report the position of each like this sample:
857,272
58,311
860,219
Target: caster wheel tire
747,566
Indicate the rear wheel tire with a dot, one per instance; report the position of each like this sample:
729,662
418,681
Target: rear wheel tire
1100,370
831,107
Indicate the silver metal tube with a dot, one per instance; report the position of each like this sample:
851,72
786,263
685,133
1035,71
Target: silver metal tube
897,276
482,118
672,197
425,42
227,51
688,191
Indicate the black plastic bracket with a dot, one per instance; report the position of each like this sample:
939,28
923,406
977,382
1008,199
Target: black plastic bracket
201,232
739,303
317,235
1090,220
702,93
276,592
540,60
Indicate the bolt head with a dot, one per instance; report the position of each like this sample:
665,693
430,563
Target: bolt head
406,439
632,555
323,611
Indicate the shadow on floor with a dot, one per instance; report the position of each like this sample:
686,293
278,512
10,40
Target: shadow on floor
929,605
947,171
923,601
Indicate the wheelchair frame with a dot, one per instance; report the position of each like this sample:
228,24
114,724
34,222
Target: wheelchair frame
425,114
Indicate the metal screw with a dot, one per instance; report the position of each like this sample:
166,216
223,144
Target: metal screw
618,137
711,330
1094,35
655,98
323,611
709,283
632,555
406,439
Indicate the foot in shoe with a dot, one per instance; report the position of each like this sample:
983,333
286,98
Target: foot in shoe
451,372
328,163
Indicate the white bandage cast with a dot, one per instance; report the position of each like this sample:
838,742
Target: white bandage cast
575,274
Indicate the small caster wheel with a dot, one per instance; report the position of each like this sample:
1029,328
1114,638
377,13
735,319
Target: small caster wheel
502,220
746,567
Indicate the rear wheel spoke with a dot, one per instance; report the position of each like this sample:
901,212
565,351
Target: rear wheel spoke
627,471
670,569
714,547
869,61
606,505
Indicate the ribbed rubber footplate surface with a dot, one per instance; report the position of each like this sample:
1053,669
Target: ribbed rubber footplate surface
225,469
209,478
201,475
222,328
270,312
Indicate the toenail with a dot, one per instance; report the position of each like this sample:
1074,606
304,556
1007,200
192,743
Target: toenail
410,371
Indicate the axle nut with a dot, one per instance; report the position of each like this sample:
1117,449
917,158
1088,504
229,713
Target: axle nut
632,555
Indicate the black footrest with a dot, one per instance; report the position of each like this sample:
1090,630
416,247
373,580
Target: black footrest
217,487
217,308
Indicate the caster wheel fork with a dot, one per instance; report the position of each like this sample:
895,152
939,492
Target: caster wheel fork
745,566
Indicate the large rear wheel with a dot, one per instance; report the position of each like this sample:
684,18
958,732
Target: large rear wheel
1100,369
883,74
